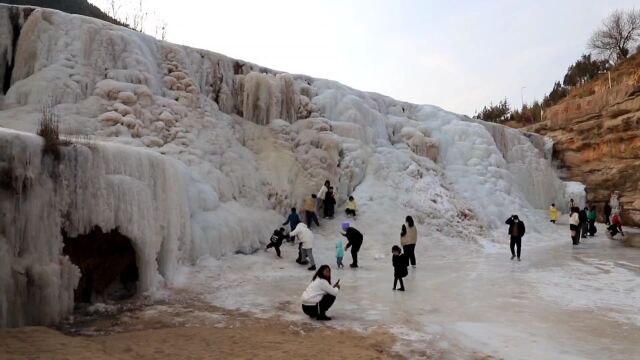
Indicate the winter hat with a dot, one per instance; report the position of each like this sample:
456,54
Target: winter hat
345,226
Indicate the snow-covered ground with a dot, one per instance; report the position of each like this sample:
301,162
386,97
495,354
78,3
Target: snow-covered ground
559,302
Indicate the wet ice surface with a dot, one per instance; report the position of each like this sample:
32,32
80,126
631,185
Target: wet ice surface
560,302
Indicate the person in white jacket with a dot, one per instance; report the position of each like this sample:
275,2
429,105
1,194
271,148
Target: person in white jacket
305,236
320,294
321,195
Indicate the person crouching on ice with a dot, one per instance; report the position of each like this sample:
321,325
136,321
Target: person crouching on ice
400,263
351,207
320,294
276,240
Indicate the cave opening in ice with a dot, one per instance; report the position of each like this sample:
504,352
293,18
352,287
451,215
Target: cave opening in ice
107,263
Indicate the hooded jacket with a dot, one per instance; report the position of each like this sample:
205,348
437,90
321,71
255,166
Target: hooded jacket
304,234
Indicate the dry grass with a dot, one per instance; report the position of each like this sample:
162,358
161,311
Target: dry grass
624,73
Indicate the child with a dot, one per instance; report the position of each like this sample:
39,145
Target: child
553,213
400,265
339,254
293,220
351,207
276,240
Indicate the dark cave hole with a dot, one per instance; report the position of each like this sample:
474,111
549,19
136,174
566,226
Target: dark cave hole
107,263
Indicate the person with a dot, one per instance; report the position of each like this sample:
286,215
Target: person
339,254
329,203
553,213
607,214
351,207
408,239
616,226
292,220
310,206
276,240
322,193
318,297
516,231
400,263
591,218
306,241
354,241
571,204
582,217
574,222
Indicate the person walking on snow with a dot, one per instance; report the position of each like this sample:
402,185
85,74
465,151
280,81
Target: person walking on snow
322,193
553,213
400,263
354,241
339,254
516,231
574,223
351,207
310,205
320,294
408,239
276,240
292,220
591,218
329,203
306,239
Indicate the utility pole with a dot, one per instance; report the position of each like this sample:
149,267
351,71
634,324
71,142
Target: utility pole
609,72
522,96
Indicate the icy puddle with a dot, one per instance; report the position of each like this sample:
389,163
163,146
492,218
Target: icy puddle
463,300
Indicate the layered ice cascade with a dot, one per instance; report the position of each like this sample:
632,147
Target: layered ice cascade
189,154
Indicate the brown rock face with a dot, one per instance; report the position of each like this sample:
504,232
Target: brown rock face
597,139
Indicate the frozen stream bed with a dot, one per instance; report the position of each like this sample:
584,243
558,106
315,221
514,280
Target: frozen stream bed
560,302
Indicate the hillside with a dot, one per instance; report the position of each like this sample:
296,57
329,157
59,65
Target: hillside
79,7
596,130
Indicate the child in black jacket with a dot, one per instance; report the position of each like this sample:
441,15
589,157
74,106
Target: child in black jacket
276,240
400,265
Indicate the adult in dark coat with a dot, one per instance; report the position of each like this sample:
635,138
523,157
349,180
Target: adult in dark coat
354,241
584,222
607,214
516,231
329,203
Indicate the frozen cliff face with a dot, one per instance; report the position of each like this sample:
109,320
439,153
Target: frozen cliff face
197,154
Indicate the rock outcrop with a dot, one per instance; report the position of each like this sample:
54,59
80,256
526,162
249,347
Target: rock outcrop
597,140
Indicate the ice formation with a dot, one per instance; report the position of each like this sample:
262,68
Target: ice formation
195,154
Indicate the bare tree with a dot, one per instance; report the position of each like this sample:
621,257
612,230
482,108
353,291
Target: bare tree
619,32
139,17
161,29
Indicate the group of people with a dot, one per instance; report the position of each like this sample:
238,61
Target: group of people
583,222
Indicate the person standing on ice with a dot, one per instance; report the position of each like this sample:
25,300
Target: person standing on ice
292,220
516,231
400,263
310,206
320,294
408,239
591,218
339,254
607,214
322,193
354,241
306,239
329,203
615,227
574,222
276,240
351,207
584,222
553,213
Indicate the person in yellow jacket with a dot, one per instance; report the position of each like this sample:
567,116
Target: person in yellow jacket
310,206
553,213
351,207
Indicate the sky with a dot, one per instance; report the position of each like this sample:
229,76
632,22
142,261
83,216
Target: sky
459,55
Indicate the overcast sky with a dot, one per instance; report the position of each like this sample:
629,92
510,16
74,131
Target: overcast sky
459,55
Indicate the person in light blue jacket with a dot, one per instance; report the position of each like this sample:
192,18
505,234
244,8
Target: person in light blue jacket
339,253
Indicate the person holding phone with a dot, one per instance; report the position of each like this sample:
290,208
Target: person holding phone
516,231
320,294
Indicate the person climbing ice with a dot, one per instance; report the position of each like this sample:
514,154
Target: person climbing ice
310,206
553,213
329,203
276,240
400,263
516,231
306,240
408,239
354,241
292,220
320,295
351,207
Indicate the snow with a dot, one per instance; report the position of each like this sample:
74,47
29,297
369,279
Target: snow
196,156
